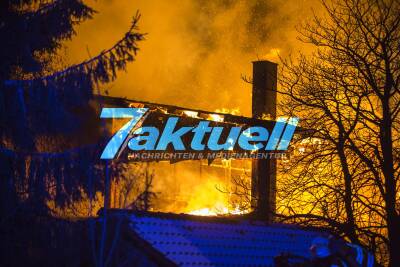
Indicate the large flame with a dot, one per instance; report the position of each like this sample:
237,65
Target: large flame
211,197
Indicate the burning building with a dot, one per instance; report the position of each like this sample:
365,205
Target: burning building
159,233
202,186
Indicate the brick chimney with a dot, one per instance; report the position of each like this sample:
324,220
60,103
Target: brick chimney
264,170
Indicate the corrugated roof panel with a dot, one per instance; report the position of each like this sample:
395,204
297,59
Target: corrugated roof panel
190,242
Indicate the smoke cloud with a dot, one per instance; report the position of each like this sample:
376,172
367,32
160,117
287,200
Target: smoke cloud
196,50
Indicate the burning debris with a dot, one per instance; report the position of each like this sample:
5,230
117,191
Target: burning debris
188,183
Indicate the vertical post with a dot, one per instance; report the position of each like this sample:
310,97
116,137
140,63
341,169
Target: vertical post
107,185
264,170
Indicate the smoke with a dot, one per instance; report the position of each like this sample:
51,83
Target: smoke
196,50
194,56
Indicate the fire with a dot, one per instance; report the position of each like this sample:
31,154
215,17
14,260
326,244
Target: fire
217,211
216,117
192,114
234,111
207,200
208,212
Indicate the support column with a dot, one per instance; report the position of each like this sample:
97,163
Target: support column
264,170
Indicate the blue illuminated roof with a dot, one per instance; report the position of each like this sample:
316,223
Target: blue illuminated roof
199,241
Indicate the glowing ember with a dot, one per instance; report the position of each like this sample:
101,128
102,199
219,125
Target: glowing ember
216,117
218,210
192,114
204,212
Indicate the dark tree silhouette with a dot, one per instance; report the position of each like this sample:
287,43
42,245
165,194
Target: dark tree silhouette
37,101
346,174
49,134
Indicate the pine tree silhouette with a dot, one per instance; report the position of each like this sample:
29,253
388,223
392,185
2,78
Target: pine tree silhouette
37,101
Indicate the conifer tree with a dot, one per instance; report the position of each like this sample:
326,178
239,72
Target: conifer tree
37,100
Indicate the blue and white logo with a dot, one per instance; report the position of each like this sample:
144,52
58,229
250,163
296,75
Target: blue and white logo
147,138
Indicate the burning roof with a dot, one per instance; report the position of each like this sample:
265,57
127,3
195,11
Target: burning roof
220,117
158,114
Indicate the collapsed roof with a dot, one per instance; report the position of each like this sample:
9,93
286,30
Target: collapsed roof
158,114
